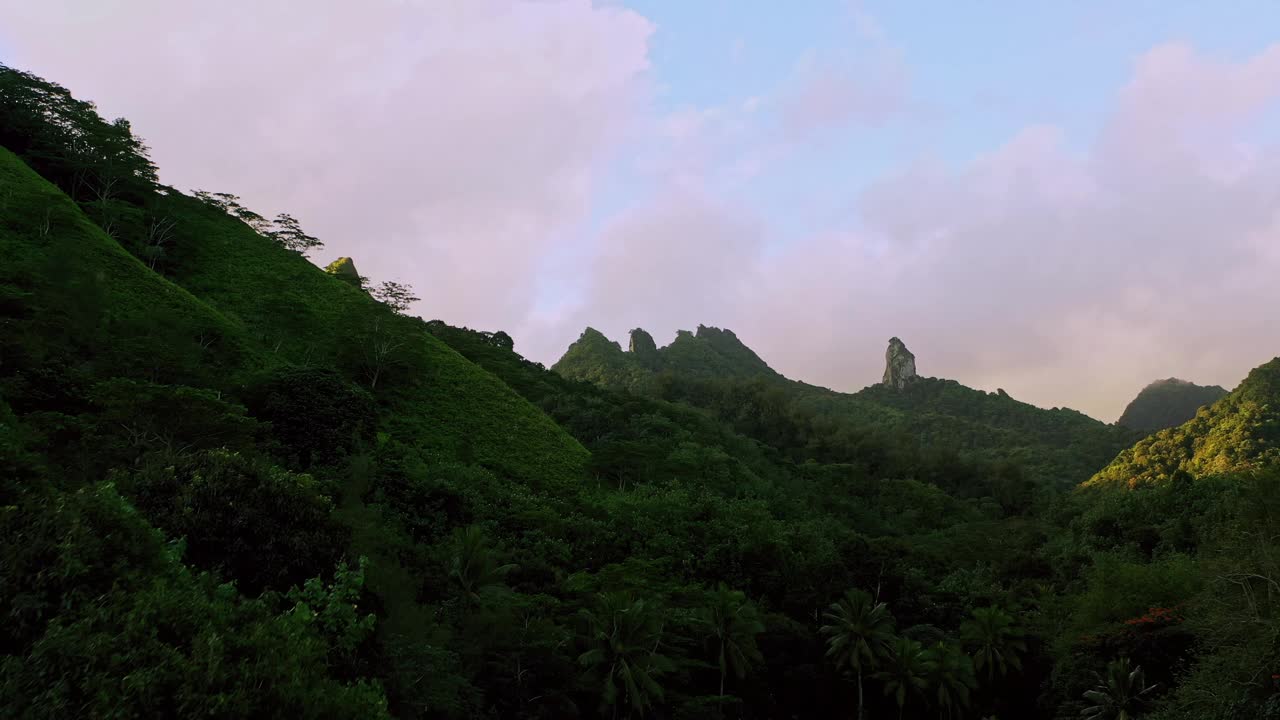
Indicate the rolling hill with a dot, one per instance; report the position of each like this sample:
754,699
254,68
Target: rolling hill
1166,403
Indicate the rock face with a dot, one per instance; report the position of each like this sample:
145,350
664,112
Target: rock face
899,364
642,346
344,268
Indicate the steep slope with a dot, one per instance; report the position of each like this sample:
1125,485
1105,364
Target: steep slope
242,304
1168,403
431,397
72,295
1239,432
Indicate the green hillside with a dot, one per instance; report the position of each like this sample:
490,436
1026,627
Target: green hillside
1240,432
235,485
1167,403
1181,532
430,396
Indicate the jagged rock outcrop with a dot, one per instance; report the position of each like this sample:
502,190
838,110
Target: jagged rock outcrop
899,364
643,347
344,268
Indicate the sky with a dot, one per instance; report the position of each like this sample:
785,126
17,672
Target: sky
1066,200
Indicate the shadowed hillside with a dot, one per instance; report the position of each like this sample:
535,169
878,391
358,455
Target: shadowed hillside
1166,403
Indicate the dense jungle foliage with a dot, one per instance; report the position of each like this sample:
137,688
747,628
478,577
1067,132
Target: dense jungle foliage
233,484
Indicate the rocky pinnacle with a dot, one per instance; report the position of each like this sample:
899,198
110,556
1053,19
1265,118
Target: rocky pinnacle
899,364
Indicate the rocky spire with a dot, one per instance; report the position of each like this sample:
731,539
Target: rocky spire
642,346
899,364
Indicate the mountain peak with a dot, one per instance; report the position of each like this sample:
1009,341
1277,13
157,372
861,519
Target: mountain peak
642,345
1168,403
899,364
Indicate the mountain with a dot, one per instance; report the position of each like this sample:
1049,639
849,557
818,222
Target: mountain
1166,403
712,368
707,353
235,484
1239,432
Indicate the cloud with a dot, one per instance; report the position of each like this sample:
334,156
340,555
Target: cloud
448,143
679,259
1070,274
831,91
464,146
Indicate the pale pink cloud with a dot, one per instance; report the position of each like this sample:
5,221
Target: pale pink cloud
834,91
448,143
460,145
1067,275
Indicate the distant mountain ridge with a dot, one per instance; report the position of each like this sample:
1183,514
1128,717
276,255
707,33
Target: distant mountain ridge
1168,403
709,351
1058,445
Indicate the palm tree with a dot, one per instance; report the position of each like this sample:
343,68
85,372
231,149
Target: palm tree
732,623
907,671
475,567
1120,695
858,631
625,636
996,643
951,677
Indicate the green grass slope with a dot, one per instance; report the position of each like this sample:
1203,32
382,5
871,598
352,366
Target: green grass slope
1240,432
235,304
432,397
69,294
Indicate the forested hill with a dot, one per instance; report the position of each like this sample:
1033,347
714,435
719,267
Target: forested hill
1167,403
706,354
233,484
1237,433
713,369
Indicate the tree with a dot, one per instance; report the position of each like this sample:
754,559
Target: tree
858,631
284,230
158,239
950,678
380,348
252,522
314,413
66,141
288,233
907,671
625,636
1120,694
397,296
230,204
733,624
995,642
475,567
